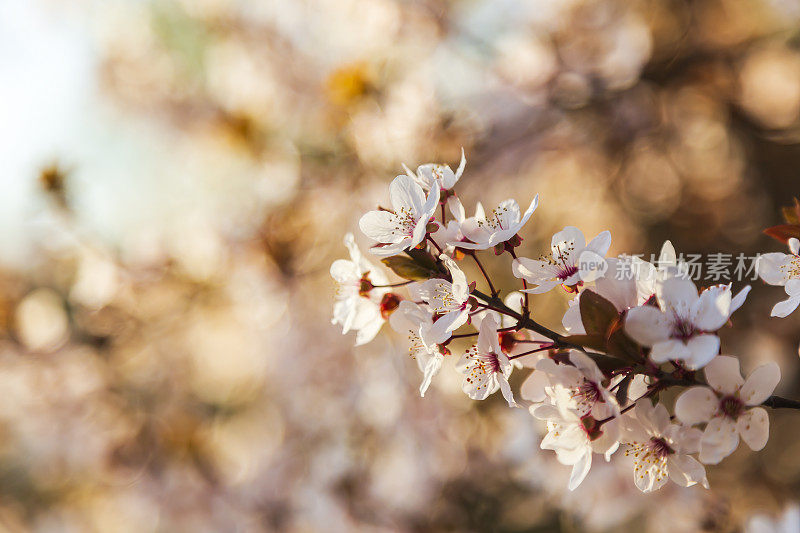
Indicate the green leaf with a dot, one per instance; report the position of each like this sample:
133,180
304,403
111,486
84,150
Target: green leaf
597,313
406,268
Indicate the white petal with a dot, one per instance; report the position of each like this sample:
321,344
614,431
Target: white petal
505,389
647,325
684,470
760,384
591,265
579,470
696,405
460,287
344,271
719,440
723,374
667,257
567,242
533,388
794,246
669,350
786,307
753,425
431,369
456,208
739,299
532,270
379,226
793,287
461,165
601,243
542,287
404,192
702,349
771,268
528,212
678,295
712,309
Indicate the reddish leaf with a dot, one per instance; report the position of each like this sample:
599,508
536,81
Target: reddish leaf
784,232
597,313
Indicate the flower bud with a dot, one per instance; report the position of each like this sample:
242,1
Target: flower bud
365,287
389,303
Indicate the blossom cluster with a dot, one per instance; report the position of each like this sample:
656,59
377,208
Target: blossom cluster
598,386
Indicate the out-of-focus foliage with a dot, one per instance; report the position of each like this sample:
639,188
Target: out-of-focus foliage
167,361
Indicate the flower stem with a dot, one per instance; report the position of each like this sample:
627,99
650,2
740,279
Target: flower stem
485,275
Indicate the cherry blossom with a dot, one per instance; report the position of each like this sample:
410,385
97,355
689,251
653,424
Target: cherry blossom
431,173
682,327
777,268
357,305
406,226
417,322
485,367
573,436
728,406
503,223
661,450
571,261
583,381
513,342
448,300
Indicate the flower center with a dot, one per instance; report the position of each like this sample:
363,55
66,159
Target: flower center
683,329
566,271
731,406
659,447
494,362
404,222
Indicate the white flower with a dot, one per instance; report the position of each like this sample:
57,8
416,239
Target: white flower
583,382
682,327
406,226
502,224
573,437
727,404
514,342
432,173
485,367
661,449
357,304
447,300
783,269
571,261
417,322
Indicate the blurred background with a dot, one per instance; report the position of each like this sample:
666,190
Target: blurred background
176,177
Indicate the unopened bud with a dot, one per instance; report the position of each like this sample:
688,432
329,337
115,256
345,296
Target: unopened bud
365,287
389,303
507,340
591,426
